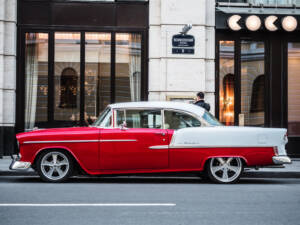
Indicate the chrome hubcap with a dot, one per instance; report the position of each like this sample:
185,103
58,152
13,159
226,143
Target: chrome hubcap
54,165
226,169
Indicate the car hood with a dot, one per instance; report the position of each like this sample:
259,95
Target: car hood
54,132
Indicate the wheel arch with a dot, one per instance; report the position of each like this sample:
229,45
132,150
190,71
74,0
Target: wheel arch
62,149
206,160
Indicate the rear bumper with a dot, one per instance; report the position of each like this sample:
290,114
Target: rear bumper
279,160
19,165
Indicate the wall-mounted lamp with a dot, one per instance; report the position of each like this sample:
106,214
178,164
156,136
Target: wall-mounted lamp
269,23
289,23
233,22
253,23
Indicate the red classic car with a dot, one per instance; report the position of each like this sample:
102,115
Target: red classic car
151,137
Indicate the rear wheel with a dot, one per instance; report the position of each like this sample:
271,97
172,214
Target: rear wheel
54,166
225,169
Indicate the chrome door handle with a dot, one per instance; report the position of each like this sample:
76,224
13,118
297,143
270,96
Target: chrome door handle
162,134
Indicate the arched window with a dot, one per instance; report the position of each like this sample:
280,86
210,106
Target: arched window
68,88
258,97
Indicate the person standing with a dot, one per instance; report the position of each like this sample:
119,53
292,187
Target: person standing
200,101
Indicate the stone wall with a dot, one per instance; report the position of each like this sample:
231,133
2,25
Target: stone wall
173,75
8,18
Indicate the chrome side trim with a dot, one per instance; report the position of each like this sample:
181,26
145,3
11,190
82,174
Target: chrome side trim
216,146
159,147
118,140
79,141
59,141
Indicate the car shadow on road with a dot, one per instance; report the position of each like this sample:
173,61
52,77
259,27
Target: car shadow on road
149,180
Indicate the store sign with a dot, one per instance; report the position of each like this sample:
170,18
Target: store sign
183,44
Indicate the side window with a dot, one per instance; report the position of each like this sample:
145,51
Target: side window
141,118
178,120
107,120
120,117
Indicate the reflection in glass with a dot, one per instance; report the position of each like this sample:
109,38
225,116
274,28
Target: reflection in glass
252,83
67,78
36,79
128,67
294,89
97,74
226,82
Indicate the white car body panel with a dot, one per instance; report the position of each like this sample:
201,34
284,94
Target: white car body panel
221,136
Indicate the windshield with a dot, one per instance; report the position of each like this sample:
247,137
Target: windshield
104,118
211,120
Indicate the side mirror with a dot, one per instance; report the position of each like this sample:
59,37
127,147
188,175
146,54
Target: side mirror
124,126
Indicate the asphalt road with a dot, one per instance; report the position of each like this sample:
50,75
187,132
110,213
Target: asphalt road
253,201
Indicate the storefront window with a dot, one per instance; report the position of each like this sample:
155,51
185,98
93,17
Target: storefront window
97,74
252,83
226,82
128,67
67,78
294,89
64,104
36,79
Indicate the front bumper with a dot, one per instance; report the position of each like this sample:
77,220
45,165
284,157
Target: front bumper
279,160
19,165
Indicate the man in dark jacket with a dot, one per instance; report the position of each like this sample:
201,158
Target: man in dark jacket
200,101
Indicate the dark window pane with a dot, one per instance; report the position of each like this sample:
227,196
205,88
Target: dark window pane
257,99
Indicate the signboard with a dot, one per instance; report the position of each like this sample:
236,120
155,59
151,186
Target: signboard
183,44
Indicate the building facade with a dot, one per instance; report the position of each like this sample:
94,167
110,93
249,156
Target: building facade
63,61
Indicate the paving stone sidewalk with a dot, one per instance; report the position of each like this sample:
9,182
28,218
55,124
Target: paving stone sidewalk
290,171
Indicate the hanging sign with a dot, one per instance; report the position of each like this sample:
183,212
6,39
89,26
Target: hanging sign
183,43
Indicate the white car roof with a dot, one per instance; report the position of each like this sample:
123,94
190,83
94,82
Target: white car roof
194,109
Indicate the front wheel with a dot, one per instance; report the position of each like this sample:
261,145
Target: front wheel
225,170
54,166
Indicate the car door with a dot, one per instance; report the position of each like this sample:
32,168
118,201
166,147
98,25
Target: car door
182,158
132,147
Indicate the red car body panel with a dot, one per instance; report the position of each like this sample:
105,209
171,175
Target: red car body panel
117,151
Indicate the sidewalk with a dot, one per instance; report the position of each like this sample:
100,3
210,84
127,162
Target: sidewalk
290,171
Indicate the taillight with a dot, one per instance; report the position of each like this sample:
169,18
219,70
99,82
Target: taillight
276,150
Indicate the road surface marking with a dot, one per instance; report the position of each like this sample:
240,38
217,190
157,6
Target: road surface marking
82,204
